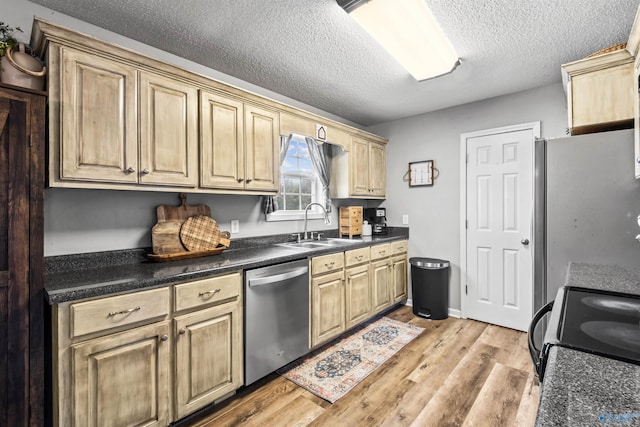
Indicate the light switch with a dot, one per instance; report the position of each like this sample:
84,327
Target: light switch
235,226
405,219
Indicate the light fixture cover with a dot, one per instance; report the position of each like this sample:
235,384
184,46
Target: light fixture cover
409,32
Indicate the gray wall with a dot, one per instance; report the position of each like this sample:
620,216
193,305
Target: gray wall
434,212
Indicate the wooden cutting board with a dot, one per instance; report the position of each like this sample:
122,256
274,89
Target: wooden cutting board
165,235
200,233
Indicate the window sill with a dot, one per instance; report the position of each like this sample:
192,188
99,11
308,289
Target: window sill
292,216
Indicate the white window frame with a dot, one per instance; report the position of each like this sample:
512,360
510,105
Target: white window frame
317,196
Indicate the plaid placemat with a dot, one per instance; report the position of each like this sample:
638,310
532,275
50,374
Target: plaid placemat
200,233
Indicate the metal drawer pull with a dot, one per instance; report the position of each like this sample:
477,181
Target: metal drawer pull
359,257
209,293
382,252
182,331
164,337
131,310
329,264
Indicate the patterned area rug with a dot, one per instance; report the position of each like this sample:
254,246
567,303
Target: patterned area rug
331,371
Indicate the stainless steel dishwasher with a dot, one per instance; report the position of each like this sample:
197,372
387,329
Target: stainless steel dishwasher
276,317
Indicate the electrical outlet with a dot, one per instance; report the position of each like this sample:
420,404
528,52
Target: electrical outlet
235,226
405,219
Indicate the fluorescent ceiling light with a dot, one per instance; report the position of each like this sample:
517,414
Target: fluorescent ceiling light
409,32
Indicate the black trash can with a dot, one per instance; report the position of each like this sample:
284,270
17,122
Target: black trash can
430,287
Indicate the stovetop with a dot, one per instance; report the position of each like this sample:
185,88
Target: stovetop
601,322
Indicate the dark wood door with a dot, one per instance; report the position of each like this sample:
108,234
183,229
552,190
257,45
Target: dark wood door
22,115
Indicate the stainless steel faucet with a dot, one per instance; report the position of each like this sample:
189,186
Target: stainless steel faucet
306,210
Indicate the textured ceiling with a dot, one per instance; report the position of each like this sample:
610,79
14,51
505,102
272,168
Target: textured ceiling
312,51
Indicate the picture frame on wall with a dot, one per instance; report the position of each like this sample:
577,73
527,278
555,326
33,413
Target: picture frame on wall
421,173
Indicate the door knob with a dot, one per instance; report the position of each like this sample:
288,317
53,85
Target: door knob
524,241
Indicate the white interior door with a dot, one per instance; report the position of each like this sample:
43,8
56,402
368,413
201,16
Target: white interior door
499,209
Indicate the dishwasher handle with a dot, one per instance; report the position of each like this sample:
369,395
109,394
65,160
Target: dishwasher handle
277,278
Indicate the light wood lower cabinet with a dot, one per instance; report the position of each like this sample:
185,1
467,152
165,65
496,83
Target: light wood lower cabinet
146,362
208,356
123,379
327,307
349,288
399,270
358,300
357,286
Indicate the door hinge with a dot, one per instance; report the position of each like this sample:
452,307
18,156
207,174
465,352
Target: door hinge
466,223
30,141
466,290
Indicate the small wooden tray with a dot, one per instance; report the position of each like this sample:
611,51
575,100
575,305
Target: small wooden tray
185,255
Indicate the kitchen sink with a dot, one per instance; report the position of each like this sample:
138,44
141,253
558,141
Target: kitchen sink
317,244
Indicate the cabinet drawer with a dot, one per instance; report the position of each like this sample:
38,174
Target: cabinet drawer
399,247
327,263
357,256
111,312
207,291
380,251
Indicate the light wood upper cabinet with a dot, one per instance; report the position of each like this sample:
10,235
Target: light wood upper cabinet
168,131
239,145
600,92
361,172
262,155
122,120
123,379
95,123
221,142
104,106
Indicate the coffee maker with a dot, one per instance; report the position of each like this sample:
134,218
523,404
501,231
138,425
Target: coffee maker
377,217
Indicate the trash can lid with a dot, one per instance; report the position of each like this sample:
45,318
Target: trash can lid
429,262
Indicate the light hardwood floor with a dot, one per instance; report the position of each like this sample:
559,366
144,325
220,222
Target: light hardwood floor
456,373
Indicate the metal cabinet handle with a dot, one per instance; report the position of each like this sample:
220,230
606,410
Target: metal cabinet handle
638,160
240,179
249,180
209,293
359,257
131,169
146,171
164,337
131,310
329,264
182,331
382,252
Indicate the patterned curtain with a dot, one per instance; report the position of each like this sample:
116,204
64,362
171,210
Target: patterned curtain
321,159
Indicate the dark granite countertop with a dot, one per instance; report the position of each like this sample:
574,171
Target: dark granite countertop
583,389
74,277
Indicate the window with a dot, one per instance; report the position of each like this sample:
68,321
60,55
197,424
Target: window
299,185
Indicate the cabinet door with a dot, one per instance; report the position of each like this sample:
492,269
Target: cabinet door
377,169
208,356
358,299
262,142
381,283
168,131
221,142
123,379
399,278
327,307
359,167
98,137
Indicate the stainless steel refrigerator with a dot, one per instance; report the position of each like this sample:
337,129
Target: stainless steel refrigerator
586,206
